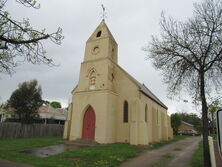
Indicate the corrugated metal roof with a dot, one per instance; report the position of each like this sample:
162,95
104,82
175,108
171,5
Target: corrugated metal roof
187,123
144,89
51,113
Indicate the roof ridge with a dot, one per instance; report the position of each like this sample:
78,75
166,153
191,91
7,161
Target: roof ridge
187,123
144,89
153,94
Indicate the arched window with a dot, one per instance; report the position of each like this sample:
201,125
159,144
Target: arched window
125,112
92,80
146,113
98,34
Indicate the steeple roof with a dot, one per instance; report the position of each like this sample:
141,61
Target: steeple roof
102,31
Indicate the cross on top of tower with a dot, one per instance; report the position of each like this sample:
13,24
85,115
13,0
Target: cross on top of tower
104,14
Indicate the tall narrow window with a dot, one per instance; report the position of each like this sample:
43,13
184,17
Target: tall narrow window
92,80
125,112
146,113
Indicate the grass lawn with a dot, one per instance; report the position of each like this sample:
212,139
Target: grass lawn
197,160
100,156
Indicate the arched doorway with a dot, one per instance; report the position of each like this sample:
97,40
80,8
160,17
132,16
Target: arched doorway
88,127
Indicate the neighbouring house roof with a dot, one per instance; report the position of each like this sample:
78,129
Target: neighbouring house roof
187,123
10,110
144,89
48,112
43,109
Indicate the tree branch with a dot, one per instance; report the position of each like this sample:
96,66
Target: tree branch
14,41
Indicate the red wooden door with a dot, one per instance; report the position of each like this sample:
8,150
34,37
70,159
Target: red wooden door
88,129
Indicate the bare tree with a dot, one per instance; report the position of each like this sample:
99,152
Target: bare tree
190,56
19,42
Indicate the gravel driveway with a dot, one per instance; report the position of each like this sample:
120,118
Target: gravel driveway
176,154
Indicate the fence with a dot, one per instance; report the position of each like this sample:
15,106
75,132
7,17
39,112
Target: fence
17,130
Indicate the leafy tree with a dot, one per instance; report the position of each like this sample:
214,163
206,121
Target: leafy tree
20,42
26,100
175,122
212,108
190,55
55,104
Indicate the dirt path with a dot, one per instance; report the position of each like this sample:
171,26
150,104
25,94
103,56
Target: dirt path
172,155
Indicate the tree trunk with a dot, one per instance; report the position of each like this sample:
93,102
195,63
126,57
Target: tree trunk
205,122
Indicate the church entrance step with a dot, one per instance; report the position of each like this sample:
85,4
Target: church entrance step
83,142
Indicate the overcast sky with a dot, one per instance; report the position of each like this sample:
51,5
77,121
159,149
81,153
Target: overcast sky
132,22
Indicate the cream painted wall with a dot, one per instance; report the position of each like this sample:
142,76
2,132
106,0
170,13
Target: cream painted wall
98,102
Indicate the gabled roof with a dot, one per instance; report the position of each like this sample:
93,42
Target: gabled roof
187,123
48,112
43,109
148,92
144,89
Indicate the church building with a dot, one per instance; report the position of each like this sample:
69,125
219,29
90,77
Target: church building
108,104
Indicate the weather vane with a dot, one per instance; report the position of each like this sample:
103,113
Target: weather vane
104,14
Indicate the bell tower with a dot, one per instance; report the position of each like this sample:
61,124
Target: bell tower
101,45
94,98
97,69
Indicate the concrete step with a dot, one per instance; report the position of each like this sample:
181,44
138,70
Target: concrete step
83,142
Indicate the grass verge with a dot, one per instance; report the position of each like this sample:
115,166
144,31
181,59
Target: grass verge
214,136
100,156
197,160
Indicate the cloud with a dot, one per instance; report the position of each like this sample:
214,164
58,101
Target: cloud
131,22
